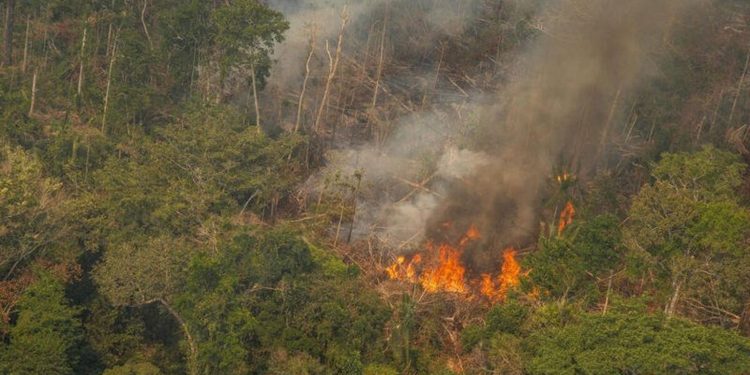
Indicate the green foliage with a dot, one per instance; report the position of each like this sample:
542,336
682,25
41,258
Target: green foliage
506,318
689,229
33,210
115,334
139,368
281,363
137,272
379,370
567,268
246,33
207,163
636,344
266,290
47,334
162,206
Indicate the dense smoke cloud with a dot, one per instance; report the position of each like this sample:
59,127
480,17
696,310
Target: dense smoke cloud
558,109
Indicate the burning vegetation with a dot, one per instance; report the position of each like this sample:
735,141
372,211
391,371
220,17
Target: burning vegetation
439,268
566,217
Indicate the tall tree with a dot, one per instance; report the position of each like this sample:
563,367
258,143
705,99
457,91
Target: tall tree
247,33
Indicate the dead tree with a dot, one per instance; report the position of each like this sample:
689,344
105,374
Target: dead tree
380,59
80,71
112,59
307,77
333,64
739,90
255,96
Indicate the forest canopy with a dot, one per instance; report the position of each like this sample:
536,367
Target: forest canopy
381,187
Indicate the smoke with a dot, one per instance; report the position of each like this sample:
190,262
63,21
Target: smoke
323,18
437,174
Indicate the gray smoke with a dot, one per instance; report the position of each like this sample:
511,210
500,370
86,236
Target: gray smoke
493,169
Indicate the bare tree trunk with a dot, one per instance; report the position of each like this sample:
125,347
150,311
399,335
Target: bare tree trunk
10,7
304,82
109,39
609,290
739,90
338,227
255,97
80,70
143,22
380,58
333,66
26,45
112,59
672,304
33,94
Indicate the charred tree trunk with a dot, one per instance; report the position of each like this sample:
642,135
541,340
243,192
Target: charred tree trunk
10,6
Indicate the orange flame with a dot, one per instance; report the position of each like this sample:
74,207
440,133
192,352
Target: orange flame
509,278
510,272
446,272
566,217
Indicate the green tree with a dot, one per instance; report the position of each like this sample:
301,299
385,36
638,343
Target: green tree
47,335
687,233
635,343
134,368
33,211
247,31
571,267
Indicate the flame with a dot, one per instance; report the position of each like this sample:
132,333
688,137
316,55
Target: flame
566,217
510,272
564,177
509,278
445,272
403,270
448,274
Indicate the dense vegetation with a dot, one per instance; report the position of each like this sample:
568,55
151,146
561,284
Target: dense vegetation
156,214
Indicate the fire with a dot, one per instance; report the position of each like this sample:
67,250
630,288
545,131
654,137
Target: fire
510,272
564,177
448,274
444,271
509,278
566,217
403,270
